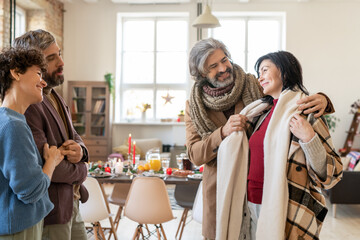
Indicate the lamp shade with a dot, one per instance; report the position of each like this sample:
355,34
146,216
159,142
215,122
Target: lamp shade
206,19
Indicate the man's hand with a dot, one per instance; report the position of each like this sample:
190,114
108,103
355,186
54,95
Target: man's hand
313,104
301,128
236,122
72,150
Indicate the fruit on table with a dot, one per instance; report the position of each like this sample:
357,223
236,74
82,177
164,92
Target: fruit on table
96,167
141,168
201,169
169,171
146,167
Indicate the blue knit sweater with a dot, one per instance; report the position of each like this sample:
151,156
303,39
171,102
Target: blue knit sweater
24,199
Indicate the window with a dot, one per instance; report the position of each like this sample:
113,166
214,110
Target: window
250,37
20,21
151,65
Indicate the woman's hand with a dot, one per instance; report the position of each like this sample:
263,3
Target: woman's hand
52,158
52,154
301,128
236,122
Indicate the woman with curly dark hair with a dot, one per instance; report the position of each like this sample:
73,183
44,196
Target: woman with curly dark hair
23,176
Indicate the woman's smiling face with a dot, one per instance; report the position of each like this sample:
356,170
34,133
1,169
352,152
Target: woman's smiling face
270,79
32,84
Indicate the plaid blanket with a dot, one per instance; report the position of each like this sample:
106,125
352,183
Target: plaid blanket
354,159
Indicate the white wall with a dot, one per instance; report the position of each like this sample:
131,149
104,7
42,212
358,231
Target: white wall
323,35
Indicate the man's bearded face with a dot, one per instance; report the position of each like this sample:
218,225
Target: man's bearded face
55,64
226,81
220,69
54,79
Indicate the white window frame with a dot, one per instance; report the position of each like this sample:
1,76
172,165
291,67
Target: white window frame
20,21
247,16
120,86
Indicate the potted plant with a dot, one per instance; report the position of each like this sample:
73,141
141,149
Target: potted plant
181,116
331,121
143,108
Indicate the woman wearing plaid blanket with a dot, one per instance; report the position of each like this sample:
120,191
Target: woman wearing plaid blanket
277,191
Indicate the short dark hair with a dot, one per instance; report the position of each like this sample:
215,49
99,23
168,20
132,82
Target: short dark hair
40,39
19,59
290,69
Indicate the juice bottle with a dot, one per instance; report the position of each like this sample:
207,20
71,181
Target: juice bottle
155,164
153,158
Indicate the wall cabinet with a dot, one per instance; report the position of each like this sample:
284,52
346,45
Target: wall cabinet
89,103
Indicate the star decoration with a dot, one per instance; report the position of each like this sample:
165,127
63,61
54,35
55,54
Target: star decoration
167,98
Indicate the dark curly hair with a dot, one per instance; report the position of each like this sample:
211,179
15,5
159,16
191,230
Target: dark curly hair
20,60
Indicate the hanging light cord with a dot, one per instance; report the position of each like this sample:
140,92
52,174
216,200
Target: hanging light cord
199,12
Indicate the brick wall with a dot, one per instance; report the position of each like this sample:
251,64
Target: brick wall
5,23
48,16
1,23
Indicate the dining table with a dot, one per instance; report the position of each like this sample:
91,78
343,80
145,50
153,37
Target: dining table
124,178
168,179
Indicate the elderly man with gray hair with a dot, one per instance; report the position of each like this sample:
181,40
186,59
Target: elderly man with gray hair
221,90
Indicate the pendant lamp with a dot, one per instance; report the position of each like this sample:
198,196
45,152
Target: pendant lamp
206,19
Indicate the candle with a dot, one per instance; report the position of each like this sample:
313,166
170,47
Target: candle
134,153
119,167
129,141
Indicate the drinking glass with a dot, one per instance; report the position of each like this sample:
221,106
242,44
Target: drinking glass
155,164
179,161
153,158
137,159
112,164
165,162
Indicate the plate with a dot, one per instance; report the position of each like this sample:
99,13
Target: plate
100,175
197,176
177,176
182,173
150,174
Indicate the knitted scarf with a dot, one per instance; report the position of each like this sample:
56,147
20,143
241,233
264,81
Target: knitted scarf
245,87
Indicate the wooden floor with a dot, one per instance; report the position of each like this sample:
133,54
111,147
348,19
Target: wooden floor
346,225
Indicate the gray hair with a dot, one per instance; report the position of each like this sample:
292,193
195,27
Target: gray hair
200,52
40,39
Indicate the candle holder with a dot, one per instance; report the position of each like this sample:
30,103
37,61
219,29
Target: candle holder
129,165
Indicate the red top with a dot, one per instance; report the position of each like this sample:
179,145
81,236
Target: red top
256,169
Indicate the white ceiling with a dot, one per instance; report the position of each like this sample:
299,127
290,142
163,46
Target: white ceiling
187,1
26,4
210,1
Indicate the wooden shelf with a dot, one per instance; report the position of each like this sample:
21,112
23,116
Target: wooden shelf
352,133
90,114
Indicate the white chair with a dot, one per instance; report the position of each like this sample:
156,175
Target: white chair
95,209
148,203
121,190
197,211
118,197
